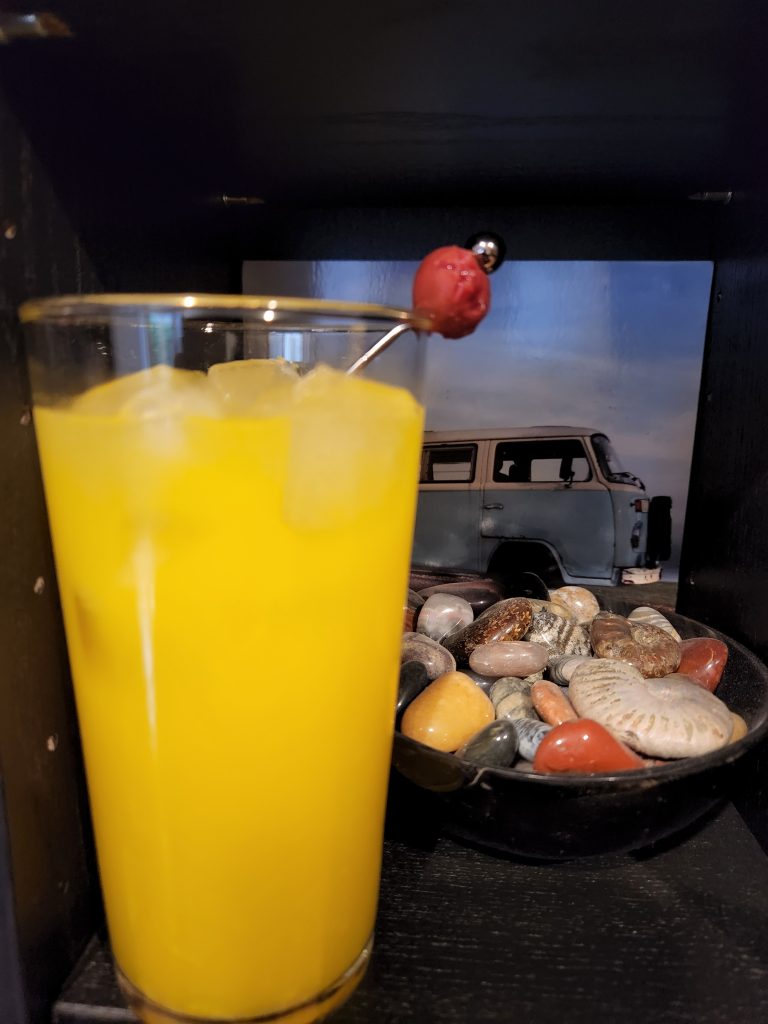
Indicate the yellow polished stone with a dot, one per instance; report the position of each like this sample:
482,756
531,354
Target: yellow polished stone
448,712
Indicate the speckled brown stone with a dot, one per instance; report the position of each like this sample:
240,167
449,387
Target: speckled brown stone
651,650
505,620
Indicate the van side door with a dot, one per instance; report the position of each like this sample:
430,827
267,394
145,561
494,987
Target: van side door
546,490
447,534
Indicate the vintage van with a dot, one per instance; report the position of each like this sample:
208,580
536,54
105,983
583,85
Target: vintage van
551,500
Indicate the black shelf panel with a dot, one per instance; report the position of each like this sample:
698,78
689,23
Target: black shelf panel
675,935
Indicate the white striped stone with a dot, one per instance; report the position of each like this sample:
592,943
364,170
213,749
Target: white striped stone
668,717
649,616
562,666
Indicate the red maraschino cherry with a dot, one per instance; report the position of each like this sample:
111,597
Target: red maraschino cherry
452,289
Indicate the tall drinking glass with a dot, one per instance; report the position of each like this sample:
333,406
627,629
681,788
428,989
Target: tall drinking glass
231,517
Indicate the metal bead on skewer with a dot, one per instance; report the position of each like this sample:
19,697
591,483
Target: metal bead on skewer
489,250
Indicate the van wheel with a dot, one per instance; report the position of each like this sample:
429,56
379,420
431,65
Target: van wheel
511,562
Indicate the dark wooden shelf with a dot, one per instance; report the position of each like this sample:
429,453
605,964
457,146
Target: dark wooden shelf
675,935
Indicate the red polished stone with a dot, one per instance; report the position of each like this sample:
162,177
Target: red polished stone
703,660
584,746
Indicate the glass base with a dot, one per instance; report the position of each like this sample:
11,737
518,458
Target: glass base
313,1010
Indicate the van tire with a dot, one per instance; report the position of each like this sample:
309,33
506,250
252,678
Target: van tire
510,561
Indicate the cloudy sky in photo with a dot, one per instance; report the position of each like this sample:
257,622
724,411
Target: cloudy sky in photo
612,345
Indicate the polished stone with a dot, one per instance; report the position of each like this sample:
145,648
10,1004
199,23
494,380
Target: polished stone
409,620
562,666
652,617
558,635
505,620
530,733
516,705
650,649
508,685
703,659
669,718
581,603
533,677
448,713
554,609
551,703
480,594
495,746
508,658
484,682
443,615
435,658
740,728
414,600
413,679
584,746
513,701
425,579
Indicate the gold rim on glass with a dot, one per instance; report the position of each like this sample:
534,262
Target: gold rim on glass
77,306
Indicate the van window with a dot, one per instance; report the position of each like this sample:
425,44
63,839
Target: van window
449,464
540,462
609,463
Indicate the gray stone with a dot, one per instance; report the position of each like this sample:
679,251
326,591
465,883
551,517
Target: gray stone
529,736
506,686
494,746
413,678
432,655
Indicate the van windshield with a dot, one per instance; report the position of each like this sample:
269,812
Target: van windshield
610,463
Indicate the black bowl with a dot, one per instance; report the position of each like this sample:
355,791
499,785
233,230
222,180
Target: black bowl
555,817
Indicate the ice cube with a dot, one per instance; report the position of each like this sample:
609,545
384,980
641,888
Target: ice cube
254,387
328,390
348,437
156,393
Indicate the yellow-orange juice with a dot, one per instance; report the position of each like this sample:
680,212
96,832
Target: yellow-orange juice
233,585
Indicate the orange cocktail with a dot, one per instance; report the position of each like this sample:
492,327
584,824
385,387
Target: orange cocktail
232,552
